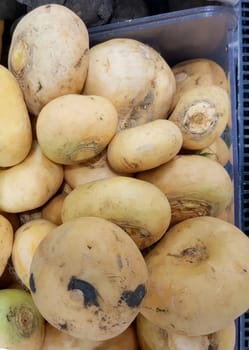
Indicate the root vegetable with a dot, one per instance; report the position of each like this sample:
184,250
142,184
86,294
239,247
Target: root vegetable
52,210
49,54
21,325
96,168
201,114
30,184
95,272
195,73
144,147
194,186
218,151
198,280
134,77
150,336
80,127
27,239
12,218
138,207
6,242
15,126
57,340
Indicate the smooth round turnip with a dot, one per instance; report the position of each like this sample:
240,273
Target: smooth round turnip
134,77
198,277
88,278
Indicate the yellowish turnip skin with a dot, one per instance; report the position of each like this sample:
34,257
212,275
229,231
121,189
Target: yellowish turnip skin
138,207
88,279
150,336
52,209
80,127
15,126
30,184
198,277
134,77
57,340
49,54
96,168
194,185
6,242
27,238
145,146
202,114
218,151
221,340
12,218
195,73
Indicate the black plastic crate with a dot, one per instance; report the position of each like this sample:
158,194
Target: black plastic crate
209,32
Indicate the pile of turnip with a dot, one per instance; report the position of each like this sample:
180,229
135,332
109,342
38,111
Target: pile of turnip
116,225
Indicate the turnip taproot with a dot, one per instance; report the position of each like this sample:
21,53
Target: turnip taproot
138,207
198,277
134,77
202,114
94,272
48,54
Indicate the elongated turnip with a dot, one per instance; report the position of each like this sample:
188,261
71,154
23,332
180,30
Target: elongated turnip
49,54
15,126
194,185
145,146
30,184
96,274
6,242
198,277
138,207
21,325
27,239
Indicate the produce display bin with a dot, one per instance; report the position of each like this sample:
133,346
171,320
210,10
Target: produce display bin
203,32
243,133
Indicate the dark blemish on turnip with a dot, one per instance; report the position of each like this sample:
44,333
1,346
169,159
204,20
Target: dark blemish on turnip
32,283
63,326
119,261
133,298
89,292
